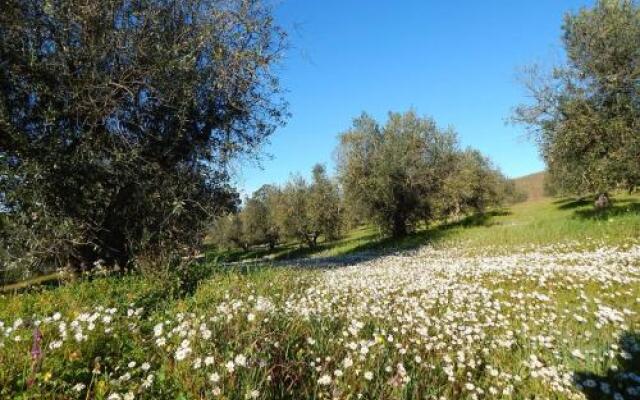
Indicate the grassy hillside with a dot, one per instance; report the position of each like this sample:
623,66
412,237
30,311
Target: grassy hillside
532,185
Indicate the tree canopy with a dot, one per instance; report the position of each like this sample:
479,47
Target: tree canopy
410,171
585,115
118,119
298,211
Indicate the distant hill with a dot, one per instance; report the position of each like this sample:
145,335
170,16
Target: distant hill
532,185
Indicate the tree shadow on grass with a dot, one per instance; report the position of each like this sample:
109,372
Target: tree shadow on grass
618,208
562,200
347,250
584,207
376,246
235,255
624,380
570,204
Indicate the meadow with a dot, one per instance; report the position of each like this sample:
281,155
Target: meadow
539,300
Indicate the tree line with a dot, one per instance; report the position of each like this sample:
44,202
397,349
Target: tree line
300,210
397,176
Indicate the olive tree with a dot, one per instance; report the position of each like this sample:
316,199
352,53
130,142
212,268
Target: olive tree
324,207
394,172
228,231
118,118
472,184
259,217
294,221
306,211
585,115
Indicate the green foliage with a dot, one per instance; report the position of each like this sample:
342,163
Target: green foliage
307,211
585,115
389,172
299,211
324,208
258,216
294,205
541,222
228,231
473,184
117,120
410,171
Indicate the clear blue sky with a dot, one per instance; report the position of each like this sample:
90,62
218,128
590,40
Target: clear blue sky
456,61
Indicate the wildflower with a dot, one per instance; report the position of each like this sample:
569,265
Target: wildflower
79,387
240,360
182,353
230,366
148,381
577,354
125,377
324,380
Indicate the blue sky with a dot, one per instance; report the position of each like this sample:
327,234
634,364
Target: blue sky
456,61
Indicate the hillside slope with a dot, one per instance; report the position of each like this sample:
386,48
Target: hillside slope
532,185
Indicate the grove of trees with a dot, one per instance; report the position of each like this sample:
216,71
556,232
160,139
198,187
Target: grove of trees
299,211
119,119
410,171
397,176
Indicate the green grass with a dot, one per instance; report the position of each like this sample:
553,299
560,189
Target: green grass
349,243
541,222
552,221
285,346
